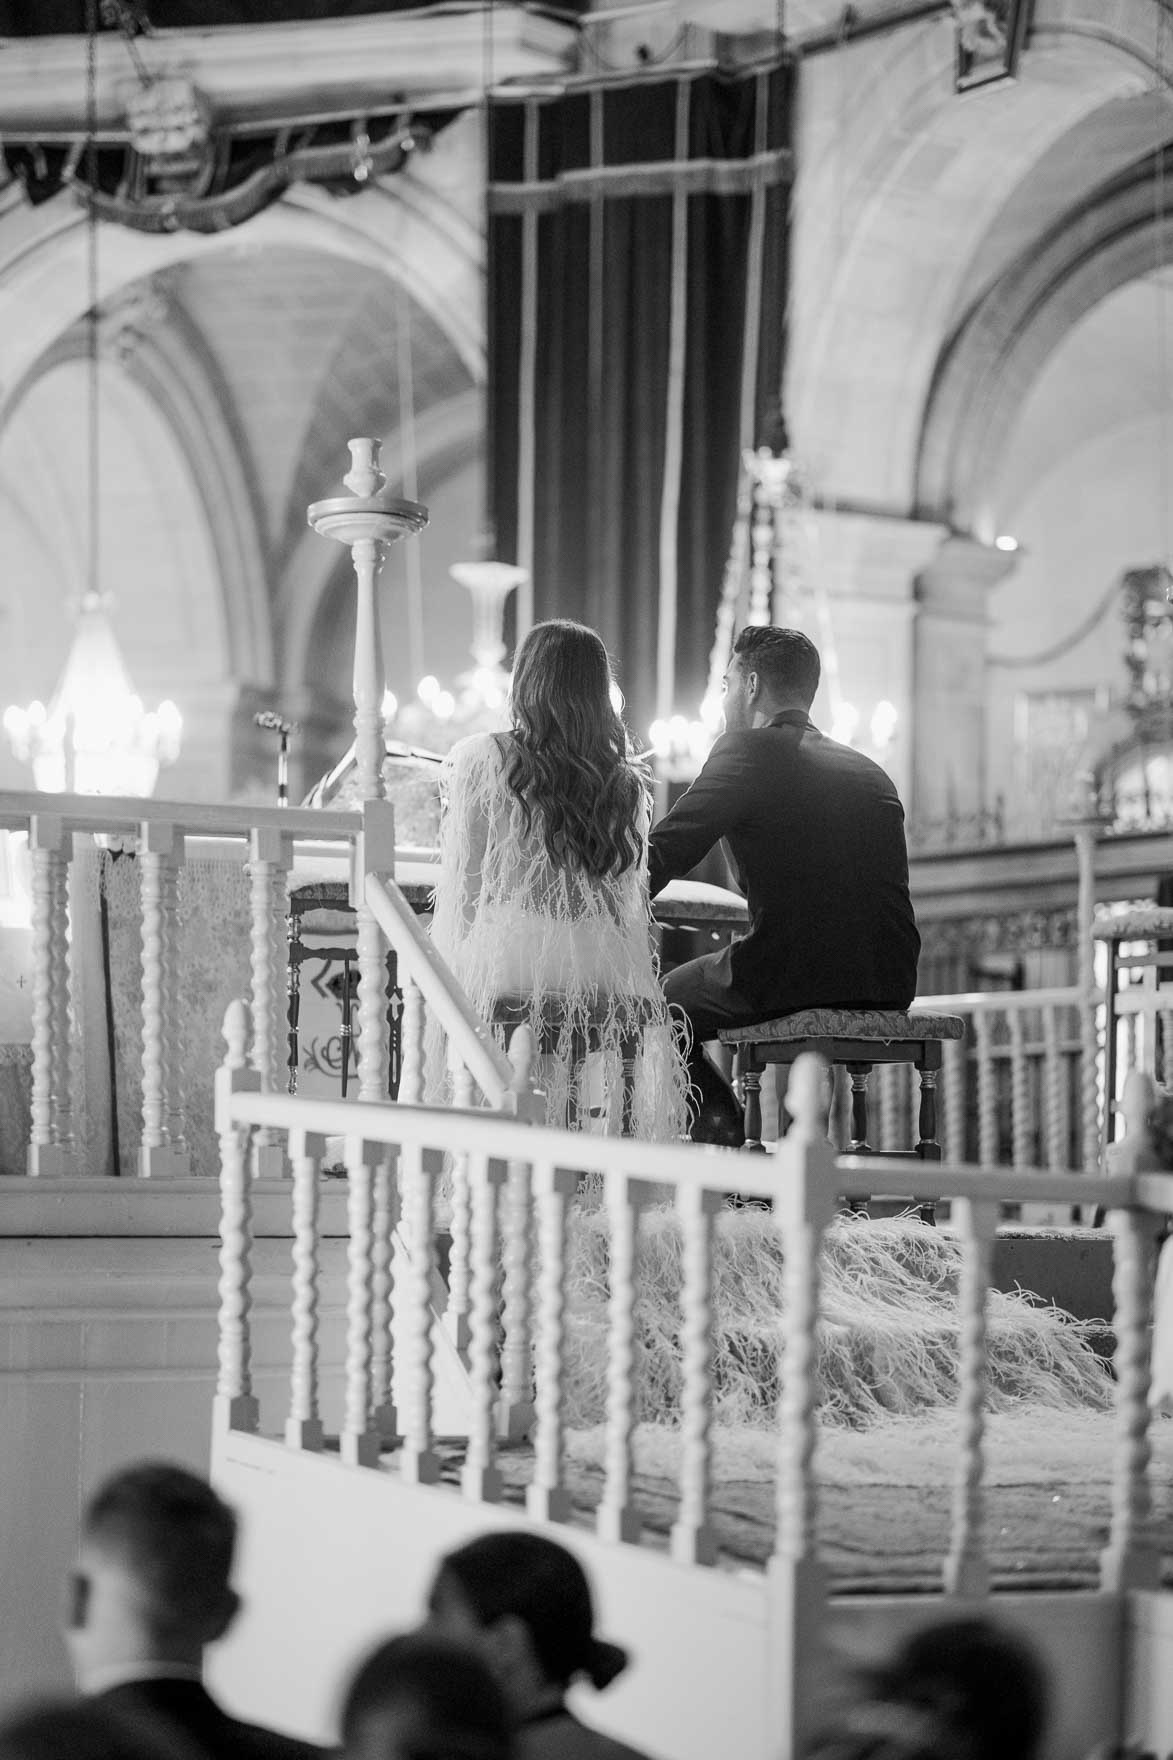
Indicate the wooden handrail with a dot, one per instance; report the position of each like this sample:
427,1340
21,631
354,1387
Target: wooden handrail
99,813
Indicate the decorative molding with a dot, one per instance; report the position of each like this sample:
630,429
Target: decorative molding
284,73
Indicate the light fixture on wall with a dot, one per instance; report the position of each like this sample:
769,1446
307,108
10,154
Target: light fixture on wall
95,736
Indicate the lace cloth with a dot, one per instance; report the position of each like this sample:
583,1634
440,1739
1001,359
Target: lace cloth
577,952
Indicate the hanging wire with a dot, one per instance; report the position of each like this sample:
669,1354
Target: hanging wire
1164,485
412,558
92,482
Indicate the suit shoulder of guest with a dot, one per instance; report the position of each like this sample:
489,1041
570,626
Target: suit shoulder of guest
254,1741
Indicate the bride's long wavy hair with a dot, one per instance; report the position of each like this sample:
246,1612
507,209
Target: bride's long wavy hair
569,763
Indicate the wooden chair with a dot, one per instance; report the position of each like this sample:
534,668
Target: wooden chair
857,1039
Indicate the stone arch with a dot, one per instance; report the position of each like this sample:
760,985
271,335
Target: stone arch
411,229
978,390
172,368
902,184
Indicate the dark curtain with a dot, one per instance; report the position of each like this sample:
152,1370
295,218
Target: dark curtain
602,208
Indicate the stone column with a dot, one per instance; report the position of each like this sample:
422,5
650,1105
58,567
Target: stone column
949,672
868,564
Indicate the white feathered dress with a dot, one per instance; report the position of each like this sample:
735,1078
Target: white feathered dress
575,952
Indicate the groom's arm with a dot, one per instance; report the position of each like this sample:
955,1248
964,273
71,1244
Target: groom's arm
715,805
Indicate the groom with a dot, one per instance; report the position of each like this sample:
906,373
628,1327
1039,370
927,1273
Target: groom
814,832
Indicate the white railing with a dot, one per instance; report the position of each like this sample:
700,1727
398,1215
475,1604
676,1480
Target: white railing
164,836
1023,1090
1023,1087
517,1357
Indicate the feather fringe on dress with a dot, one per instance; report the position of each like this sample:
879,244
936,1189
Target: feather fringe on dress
573,952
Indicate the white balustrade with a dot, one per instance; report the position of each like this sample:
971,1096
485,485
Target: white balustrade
803,1179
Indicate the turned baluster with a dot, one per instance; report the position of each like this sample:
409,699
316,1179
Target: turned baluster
411,1069
1057,1115
987,1091
547,1498
1019,1091
515,1410
417,1460
480,1480
456,1314
386,1215
303,1427
618,1518
234,1406
45,1155
270,857
694,1539
157,847
59,990
966,1569
359,1439
1131,1559
174,1119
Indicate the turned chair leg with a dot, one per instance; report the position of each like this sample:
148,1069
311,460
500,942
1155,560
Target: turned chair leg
751,1091
859,1073
928,1147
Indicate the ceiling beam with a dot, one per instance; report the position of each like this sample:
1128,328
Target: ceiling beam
295,72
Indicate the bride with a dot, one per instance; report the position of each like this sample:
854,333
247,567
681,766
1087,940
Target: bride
542,907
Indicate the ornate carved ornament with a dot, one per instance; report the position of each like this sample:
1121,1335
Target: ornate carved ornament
176,171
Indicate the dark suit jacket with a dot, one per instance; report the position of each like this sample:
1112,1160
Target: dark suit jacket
816,834
189,1710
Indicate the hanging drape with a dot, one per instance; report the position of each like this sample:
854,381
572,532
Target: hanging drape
637,283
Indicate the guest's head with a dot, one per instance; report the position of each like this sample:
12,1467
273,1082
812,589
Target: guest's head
979,1678
424,1696
527,1603
152,1580
769,670
568,763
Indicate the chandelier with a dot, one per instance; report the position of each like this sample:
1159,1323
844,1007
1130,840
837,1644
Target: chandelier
95,736
438,717
769,578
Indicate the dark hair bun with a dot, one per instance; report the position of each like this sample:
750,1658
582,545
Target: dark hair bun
604,1663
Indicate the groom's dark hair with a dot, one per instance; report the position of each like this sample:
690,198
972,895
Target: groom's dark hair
786,661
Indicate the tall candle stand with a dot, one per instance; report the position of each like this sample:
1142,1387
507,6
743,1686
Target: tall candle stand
368,519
